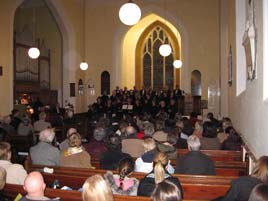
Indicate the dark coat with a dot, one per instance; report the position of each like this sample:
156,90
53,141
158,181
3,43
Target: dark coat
240,189
196,163
147,184
109,160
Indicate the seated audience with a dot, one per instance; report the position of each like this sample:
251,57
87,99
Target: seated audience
241,187
226,122
97,145
3,176
15,172
131,144
35,186
194,162
75,155
159,174
41,124
214,121
259,193
198,129
15,118
166,191
145,162
109,160
96,188
233,141
168,147
44,153
65,144
121,183
8,127
209,141
25,128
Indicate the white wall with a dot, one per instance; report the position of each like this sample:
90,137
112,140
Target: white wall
248,110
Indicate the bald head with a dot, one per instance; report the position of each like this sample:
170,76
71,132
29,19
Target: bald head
34,184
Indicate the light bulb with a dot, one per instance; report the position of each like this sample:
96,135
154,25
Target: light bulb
83,66
33,52
177,63
130,13
165,50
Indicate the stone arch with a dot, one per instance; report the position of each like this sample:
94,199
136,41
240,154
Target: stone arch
69,54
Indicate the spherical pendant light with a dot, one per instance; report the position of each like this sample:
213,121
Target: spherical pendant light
130,13
165,50
33,52
83,66
177,63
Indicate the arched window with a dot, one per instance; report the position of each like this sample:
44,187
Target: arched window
158,71
105,82
196,83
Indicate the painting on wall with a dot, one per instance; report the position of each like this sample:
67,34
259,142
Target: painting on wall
250,41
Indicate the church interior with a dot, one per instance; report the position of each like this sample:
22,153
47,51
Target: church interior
221,45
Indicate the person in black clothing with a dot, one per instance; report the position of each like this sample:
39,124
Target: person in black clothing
240,188
159,174
109,160
195,162
15,120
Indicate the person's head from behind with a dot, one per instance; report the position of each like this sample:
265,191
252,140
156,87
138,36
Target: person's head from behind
42,116
95,188
193,143
148,129
7,119
75,140
160,163
226,122
113,142
125,168
3,175
259,193
148,144
260,170
130,130
26,121
210,115
166,191
5,151
71,131
47,135
209,130
34,184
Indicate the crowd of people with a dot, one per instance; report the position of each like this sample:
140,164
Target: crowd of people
135,131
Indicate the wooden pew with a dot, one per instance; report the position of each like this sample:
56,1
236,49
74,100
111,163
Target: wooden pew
235,168
215,155
218,155
12,190
194,186
228,168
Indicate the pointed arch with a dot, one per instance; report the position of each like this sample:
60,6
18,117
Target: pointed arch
164,32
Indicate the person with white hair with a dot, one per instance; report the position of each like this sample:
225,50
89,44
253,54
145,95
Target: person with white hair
41,124
44,153
195,162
